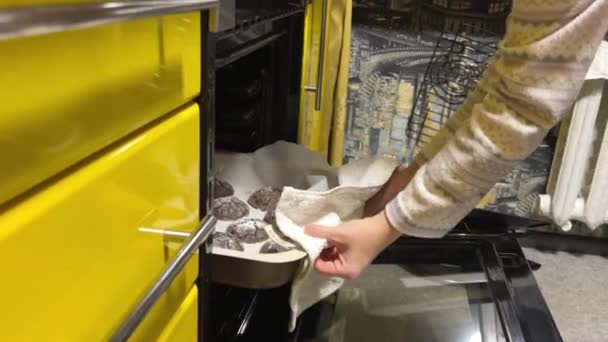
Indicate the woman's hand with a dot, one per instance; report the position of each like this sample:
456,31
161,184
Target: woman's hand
354,245
398,181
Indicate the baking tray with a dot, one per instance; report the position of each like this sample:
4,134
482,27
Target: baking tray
247,187
248,251
251,274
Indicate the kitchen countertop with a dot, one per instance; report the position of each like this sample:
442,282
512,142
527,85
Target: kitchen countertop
575,288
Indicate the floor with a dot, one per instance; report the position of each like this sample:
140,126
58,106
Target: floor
576,290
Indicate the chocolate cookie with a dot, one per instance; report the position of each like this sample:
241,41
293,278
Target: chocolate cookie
229,208
270,248
248,230
226,241
270,218
265,199
222,189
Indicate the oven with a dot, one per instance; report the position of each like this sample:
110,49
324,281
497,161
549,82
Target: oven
231,75
254,62
257,65
474,285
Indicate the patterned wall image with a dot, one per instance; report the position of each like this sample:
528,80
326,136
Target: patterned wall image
386,68
387,72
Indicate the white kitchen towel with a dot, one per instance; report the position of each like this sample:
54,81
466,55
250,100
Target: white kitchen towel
357,182
599,67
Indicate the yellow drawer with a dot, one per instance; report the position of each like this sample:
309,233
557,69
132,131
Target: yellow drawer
183,325
73,258
67,95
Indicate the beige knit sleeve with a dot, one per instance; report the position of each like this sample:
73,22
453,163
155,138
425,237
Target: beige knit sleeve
528,87
462,114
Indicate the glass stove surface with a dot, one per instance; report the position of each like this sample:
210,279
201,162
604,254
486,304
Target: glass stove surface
414,302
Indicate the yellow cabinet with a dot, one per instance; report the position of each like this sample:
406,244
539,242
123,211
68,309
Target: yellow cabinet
67,95
73,255
325,66
183,325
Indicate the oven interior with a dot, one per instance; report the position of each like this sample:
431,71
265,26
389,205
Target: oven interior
258,66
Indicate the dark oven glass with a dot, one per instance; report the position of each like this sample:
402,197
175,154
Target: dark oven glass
454,289
447,290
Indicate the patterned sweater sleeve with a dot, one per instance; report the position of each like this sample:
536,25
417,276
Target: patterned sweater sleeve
528,86
462,114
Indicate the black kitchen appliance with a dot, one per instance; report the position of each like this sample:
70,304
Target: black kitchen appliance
473,285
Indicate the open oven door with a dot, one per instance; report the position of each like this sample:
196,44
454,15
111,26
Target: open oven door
466,287
474,285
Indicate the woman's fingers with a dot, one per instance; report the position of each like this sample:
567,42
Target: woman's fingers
330,253
331,263
353,245
332,234
334,260
336,268
329,267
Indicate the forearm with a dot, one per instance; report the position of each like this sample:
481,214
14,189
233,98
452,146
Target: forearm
530,85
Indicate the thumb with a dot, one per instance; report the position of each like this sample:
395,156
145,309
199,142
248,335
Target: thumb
320,232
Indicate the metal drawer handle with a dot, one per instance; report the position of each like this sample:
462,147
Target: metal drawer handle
319,88
162,283
30,21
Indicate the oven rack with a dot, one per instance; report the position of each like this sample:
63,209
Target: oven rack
248,18
473,16
457,62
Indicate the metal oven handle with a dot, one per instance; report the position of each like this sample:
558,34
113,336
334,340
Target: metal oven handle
319,88
164,280
21,22
321,55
